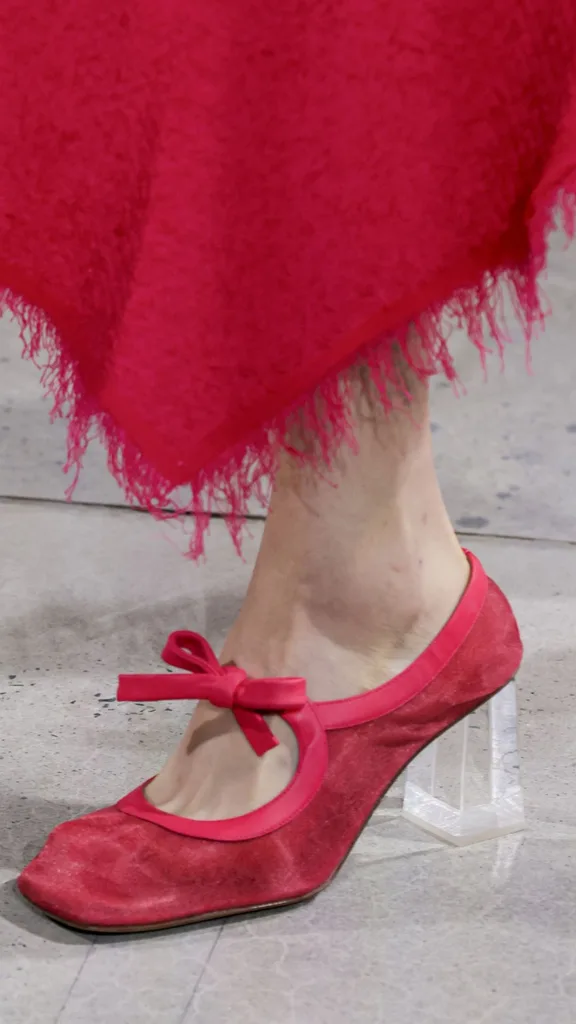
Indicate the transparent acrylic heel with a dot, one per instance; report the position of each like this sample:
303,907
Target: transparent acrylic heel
465,787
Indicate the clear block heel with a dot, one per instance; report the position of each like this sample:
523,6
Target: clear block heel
465,787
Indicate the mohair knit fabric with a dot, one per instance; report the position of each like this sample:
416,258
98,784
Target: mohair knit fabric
210,211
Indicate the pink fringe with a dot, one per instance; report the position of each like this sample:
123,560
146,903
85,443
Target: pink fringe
246,471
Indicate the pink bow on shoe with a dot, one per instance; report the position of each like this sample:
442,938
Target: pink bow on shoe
225,686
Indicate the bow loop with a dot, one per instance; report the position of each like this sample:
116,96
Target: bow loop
225,686
191,652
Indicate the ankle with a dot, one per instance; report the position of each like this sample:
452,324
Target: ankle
355,624
394,584
358,570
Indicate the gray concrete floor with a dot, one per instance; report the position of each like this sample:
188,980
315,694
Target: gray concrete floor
411,931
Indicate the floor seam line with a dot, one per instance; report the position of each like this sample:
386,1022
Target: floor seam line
201,975
75,980
558,542
255,517
15,499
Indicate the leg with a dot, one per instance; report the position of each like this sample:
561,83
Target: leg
356,574
355,577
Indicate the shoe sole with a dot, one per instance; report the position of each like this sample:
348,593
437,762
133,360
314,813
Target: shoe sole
216,915
181,922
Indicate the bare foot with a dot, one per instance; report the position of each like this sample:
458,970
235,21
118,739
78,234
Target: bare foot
351,584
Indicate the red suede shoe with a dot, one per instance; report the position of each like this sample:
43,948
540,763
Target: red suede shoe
133,867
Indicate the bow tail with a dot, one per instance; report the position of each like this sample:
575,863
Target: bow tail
256,730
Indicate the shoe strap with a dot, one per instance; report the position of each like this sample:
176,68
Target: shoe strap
225,686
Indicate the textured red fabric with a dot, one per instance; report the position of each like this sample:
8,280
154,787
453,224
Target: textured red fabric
111,870
208,210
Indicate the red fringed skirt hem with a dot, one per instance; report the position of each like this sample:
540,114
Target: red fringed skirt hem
208,215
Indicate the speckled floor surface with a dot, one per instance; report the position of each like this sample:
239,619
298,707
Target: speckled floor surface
411,931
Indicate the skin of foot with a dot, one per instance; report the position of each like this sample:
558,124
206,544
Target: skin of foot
358,571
